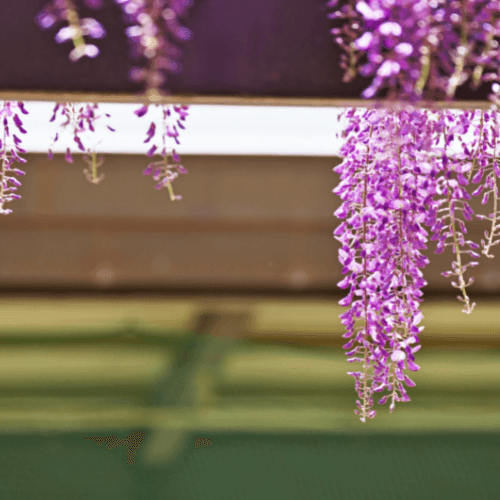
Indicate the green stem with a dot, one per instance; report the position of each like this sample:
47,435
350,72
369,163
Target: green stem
459,272
365,357
74,22
425,59
94,165
462,52
478,146
486,249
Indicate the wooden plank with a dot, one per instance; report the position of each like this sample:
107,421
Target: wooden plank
221,100
285,318
442,319
286,368
93,316
165,224
60,367
249,419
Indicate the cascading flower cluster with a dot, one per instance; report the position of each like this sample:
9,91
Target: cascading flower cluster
401,170
9,152
384,198
78,119
154,31
162,170
65,10
431,45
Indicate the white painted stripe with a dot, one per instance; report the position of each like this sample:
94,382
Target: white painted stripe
210,130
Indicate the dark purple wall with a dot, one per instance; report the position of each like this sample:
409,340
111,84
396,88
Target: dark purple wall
279,48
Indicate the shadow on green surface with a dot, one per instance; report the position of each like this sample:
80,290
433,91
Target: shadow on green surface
257,466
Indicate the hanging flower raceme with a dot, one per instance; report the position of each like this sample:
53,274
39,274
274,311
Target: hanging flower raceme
10,149
445,214
162,170
154,32
79,119
405,169
65,10
488,171
427,45
384,198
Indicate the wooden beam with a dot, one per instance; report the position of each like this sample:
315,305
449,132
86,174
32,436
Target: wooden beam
162,225
18,95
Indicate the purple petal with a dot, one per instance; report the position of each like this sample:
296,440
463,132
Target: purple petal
151,132
20,105
413,366
19,124
64,34
364,42
17,157
175,156
141,111
390,28
94,4
149,169
79,142
151,151
94,28
68,156
46,20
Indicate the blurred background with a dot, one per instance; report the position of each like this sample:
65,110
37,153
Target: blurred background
193,350
211,326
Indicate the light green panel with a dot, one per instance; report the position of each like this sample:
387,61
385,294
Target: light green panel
64,366
91,316
289,368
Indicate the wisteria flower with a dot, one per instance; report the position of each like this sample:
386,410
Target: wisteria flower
163,171
65,10
414,46
79,119
10,150
154,33
384,206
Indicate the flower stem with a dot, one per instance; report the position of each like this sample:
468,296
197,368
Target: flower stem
478,146
487,248
462,52
365,357
74,22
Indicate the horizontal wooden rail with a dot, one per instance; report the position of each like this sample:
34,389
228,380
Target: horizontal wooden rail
248,419
16,95
161,225
287,321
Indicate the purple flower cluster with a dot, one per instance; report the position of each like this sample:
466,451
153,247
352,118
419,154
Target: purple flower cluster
485,161
79,119
164,172
411,46
154,31
9,152
384,198
65,10
403,169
